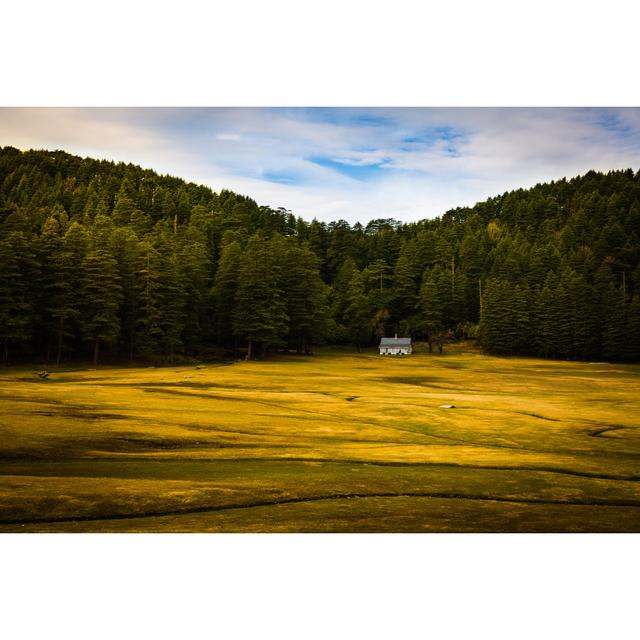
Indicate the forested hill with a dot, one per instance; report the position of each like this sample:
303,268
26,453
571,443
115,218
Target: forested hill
104,259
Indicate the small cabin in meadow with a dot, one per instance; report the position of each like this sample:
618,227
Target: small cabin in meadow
395,346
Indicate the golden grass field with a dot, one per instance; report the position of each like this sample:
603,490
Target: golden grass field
337,442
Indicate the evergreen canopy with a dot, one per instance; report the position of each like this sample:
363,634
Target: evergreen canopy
102,257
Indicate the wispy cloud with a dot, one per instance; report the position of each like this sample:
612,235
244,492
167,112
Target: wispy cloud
233,137
355,164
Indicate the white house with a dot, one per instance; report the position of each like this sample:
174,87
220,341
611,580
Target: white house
395,346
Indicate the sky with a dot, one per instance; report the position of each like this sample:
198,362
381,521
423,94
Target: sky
355,164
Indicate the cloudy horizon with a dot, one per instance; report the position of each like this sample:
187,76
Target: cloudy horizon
355,164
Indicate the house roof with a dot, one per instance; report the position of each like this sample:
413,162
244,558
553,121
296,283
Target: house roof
395,342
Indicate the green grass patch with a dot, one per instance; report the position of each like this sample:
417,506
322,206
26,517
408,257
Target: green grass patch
334,442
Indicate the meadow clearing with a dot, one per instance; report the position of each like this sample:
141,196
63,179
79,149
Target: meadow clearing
336,442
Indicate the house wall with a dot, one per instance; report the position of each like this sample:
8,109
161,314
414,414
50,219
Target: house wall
385,351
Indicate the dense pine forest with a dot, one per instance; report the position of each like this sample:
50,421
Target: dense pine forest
107,260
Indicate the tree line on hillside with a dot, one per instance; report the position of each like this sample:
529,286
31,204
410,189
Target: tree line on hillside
98,257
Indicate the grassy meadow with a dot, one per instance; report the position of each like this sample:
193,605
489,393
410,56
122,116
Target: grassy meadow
337,442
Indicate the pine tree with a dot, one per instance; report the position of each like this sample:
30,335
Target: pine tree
563,318
58,283
305,294
18,274
340,290
124,208
614,328
148,292
431,306
612,313
77,245
405,294
505,325
194,266
125,247
101,295
259,314
377,278
224,291
171,317
357,314
544,329
633,329
586,330
341,245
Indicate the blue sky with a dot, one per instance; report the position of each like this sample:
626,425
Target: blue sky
351,163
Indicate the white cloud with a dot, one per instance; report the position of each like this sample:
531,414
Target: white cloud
233,137
431,159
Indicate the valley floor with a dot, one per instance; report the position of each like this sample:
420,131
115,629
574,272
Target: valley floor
337,442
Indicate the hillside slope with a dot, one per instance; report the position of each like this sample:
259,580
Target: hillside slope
99,258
